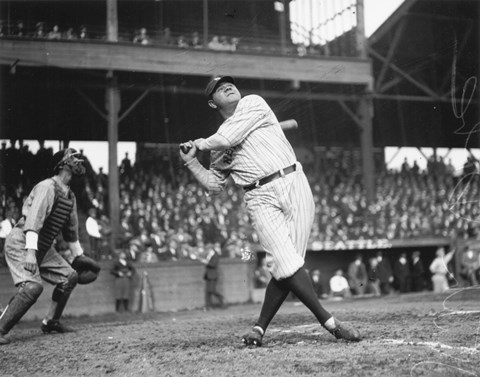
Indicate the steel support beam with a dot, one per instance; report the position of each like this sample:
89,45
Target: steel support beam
112,95
405,75
112,101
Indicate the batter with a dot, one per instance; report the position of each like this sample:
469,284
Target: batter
251,148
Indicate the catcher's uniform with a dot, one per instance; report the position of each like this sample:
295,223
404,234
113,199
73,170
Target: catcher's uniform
256,154
35,211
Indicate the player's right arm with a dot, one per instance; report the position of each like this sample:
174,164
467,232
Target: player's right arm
212,180
251,113
449,256
36,208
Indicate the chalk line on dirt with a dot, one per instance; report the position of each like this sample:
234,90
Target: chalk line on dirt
433,345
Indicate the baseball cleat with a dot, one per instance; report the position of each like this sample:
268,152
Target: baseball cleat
344,331
54,325
253,338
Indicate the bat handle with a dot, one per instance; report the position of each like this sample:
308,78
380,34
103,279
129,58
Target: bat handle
185,148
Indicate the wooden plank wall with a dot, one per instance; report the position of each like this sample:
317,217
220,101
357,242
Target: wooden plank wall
175,286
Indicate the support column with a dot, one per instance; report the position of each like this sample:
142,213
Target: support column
365,112
366,139
282,25
112,101
112,21
361,40
113,107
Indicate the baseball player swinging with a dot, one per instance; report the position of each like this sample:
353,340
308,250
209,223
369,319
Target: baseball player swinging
251,147
49,209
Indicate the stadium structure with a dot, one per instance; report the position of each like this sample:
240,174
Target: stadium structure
412,83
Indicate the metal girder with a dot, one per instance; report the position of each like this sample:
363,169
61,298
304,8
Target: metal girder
305,95
390,53
300,95
405,75
92,104
398,79
102,113
133,105
351,113
442,94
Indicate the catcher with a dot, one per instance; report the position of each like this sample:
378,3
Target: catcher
50,209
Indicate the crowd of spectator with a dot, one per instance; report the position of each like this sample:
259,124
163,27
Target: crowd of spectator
381,275
176,217
385,274
143,36
40,31
170,215
409,203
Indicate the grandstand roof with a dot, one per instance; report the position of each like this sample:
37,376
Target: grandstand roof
424,55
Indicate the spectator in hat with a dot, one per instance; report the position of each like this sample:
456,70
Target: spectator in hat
384,273
419,281
357,275
123,271
401,273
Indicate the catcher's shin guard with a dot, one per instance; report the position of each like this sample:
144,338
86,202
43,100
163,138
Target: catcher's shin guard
62,292
26,296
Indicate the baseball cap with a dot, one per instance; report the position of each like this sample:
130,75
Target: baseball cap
214,84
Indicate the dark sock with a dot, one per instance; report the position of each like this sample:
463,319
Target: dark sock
219,298
275,295
301,286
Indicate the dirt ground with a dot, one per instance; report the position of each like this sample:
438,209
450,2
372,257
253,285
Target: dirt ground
410,335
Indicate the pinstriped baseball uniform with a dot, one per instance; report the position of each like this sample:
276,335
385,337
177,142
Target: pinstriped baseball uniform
251,145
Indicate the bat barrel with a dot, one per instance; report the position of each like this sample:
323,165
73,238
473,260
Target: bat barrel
289,124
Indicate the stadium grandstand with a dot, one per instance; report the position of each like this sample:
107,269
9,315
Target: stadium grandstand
119,70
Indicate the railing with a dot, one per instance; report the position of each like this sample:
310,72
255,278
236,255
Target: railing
325,39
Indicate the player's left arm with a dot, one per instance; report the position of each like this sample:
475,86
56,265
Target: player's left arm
70,230
248,116
213,179
86,268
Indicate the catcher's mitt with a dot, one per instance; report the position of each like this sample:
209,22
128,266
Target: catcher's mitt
87,269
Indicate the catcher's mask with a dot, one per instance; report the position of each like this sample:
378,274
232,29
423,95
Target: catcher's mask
68,157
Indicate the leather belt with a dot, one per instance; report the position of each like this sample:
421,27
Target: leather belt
271,177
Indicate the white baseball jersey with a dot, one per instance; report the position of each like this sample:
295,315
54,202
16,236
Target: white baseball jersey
249,146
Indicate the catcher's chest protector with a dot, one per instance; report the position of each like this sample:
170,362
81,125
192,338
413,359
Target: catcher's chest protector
54,223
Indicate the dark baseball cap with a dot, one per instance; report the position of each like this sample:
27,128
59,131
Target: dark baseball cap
215,83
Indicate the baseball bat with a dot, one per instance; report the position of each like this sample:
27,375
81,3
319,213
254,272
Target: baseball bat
289,124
